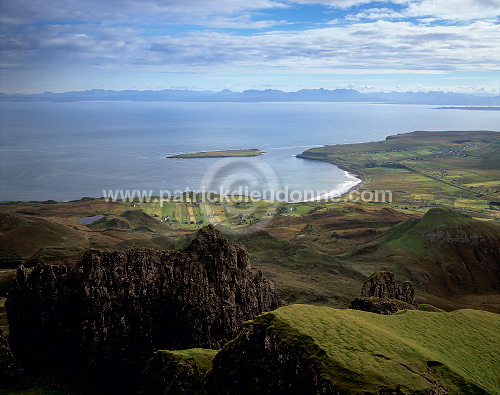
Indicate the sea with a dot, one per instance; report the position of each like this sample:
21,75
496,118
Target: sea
66,151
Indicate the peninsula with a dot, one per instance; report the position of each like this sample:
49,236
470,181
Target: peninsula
220,154
424,169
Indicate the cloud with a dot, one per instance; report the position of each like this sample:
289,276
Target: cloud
192,36
384,45
454,10
227,13
363,46
26,11
375,14
335,3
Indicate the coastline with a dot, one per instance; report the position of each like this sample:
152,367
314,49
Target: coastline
355,180
352,183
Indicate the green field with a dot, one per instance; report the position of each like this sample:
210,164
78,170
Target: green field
193,210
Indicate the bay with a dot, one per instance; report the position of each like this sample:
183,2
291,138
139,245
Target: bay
64,151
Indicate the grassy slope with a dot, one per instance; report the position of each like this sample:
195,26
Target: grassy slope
302,274
365,351
337,228
20,237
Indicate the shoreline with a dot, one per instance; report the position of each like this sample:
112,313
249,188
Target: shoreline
355,180
351,184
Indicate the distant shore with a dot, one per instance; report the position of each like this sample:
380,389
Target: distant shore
236,153
469,108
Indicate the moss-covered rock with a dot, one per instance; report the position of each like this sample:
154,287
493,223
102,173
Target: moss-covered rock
379,305
177,372
382,294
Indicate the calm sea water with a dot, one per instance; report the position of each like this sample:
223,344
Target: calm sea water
65,151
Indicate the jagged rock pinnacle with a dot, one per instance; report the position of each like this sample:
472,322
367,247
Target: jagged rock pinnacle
112,310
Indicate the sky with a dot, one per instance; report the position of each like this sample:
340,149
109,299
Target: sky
401,45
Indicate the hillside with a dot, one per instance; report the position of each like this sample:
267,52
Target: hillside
321,256
300,273
21,237
450,256
309,349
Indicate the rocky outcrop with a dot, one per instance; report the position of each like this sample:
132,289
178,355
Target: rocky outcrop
269,357
177,372
384,285
10,370
382,294
118,223
112,310
380,305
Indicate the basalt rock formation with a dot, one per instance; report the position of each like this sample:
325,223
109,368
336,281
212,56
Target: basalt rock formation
384,285
382,294
10,369
112,310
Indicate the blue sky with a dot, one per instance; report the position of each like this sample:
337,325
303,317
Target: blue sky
62,45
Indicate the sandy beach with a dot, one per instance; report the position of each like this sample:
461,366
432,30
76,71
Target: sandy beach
353,182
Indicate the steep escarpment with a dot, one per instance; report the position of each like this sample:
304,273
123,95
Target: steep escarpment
110,312
319,350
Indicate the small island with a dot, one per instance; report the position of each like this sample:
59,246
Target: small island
220,154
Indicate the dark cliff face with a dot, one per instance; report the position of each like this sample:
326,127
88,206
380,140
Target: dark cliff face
114,309
10,369
262,361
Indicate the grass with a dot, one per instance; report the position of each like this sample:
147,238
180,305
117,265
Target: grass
361,351
201,356
51,382
300,273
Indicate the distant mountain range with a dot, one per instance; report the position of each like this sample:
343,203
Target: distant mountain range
268,95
